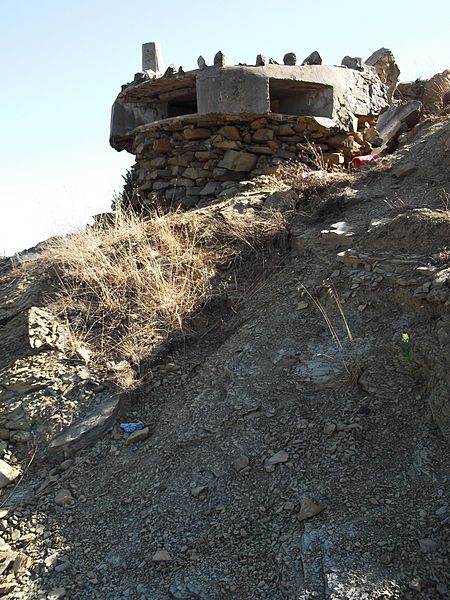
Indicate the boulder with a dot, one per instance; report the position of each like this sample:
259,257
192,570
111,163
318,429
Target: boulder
290,59
398,119
8,473
313,59
352,63
383,61
88,429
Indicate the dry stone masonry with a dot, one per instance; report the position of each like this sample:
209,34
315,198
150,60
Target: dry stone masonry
195,133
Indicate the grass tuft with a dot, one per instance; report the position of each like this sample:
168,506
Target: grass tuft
125,286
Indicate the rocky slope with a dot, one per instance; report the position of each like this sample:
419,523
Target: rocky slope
298,450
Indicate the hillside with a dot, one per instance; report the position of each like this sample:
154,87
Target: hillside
298,408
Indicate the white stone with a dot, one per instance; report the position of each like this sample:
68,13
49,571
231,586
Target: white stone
7,473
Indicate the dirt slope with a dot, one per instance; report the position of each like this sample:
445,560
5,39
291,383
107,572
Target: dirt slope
270,415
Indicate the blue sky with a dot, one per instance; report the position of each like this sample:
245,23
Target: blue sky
62,63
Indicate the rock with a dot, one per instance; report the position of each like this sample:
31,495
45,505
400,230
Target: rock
309,509
397,119
163,145
20,437
427,545
302,305
220,60
64,498
65,465
161,556
231,132
199,490
190,590
261,60
415,584
21,563
201,62
141,76
387,70
313,59
279,457
333,158
8,473
387,558
352,63
6,558
339,234
285,130
210,189
44,331
241,463
170,71
372,137
290,59
262,135
403,170
238,161
89,429
196,133
138,436
84,353
56,593
329,428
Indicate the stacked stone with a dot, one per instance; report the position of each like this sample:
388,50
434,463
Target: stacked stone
192,158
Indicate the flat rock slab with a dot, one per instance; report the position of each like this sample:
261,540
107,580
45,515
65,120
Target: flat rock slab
88,429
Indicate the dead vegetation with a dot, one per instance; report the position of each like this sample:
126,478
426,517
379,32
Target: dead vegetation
125,287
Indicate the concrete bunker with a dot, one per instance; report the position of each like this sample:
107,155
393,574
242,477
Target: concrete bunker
291,97
195,133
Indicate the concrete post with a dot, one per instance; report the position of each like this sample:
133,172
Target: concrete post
152,57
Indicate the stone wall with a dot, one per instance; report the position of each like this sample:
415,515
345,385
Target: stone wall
193,158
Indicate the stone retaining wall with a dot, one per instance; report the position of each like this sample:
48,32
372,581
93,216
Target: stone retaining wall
192,158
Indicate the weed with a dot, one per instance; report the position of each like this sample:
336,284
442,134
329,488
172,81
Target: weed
331,292
445,197
406,346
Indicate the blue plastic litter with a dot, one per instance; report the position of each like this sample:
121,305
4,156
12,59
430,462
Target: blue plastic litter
130,427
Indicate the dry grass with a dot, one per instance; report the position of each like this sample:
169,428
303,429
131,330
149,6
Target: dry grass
125,287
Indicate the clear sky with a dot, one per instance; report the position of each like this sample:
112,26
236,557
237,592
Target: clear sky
62,63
